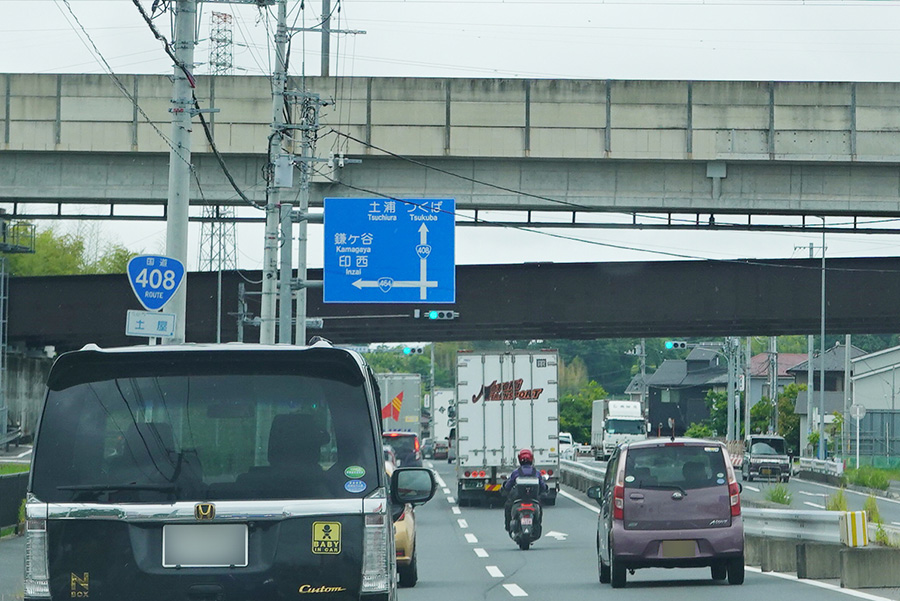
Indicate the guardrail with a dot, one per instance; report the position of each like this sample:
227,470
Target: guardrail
807,525
831,468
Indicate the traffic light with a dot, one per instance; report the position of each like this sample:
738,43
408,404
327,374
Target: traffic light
675,344
413,350
441,314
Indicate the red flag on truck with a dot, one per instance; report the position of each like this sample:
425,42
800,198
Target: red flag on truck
392,409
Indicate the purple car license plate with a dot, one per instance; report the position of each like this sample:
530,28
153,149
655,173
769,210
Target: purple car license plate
678,548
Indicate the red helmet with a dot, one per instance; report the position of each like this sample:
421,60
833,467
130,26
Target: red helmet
526,456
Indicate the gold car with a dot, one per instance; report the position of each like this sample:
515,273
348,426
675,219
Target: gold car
405,542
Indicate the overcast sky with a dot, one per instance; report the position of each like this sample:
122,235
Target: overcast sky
634,39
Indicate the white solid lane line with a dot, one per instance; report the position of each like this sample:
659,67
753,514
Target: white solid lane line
515,590
831,587
462,523
816,505
471,538
593,508
494,571
480,552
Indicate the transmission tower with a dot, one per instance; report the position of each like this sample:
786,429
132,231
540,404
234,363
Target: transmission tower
218,240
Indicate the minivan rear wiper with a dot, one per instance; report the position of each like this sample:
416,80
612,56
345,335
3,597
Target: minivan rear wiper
663,487
118,487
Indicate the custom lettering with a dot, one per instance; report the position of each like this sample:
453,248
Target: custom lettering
306,589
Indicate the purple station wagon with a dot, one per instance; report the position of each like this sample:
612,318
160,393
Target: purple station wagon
669,503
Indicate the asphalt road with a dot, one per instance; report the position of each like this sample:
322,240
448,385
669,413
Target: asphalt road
464,553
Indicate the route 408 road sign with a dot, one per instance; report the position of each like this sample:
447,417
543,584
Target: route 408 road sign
389,251
155,279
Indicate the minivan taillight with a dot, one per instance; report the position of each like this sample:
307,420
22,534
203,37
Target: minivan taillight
734,494
619,502
377,572
37,573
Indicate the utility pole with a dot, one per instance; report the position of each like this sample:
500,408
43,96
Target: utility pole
773,374
326,36
810,384
729,358
822,356
180,156
848,398
749,371
273,196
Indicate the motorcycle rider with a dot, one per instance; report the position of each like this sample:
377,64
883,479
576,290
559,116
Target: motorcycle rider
526,468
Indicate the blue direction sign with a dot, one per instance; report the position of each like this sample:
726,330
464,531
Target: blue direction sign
155,279
389,251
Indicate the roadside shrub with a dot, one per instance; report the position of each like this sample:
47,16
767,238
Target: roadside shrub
868,477
699,431
779,493
871,509
837,501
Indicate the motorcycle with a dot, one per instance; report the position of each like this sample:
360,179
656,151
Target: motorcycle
526,512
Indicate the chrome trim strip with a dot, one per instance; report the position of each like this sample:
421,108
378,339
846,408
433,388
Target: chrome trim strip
225,510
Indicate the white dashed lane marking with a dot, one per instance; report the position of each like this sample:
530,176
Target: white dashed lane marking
446,491
471,538
494,571
456,510
462,523
480,552
515,590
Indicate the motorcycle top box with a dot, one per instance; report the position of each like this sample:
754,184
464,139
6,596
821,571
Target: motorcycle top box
226,471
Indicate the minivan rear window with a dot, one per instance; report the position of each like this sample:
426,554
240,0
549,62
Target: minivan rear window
167,428
675,466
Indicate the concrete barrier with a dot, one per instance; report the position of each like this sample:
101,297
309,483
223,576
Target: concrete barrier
870,567
817,561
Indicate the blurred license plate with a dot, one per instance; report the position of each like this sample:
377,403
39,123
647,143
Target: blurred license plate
472,485
204,546
765,471
678,548
526,520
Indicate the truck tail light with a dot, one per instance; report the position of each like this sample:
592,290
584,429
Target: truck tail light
734,495
619,502
37,572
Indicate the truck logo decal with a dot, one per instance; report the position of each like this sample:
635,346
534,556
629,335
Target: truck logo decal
507,391
326,538
392,409
79,585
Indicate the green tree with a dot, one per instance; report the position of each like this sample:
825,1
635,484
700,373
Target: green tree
761,416
717,404
788,421
572,376
57,253
575,410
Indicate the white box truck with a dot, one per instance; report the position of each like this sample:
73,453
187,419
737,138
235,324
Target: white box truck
614,422
401,402
506,401
441,422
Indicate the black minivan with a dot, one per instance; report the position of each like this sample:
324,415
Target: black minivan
213,472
